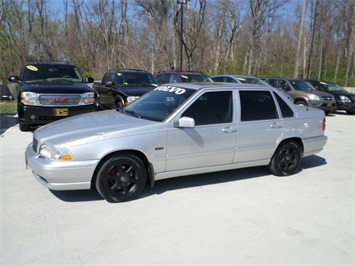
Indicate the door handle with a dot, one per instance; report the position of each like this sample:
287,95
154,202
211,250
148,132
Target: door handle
229,129
276,125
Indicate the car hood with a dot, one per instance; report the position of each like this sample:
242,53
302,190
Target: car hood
319,93
57,88
345,93
93,126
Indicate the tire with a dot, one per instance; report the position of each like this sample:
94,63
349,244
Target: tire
24,127
121,178
119,104
286,159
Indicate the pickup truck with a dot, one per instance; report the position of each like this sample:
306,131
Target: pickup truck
50,91
120,87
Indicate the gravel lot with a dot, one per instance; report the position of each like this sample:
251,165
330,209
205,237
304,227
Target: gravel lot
236,217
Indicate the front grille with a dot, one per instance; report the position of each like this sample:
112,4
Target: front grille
34,145
59,100
352,98
327,98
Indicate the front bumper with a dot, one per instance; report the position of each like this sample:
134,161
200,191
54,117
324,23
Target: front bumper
328,107
348,106
71,175
40,115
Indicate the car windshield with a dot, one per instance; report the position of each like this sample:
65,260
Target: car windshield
302,85
186,77
335,87
159,103
52,73
135,79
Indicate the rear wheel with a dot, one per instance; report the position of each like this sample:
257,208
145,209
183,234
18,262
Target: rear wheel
286,159
121,178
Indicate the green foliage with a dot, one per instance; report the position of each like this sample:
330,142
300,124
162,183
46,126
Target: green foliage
7,106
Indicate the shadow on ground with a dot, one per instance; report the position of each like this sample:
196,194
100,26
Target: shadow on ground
184,182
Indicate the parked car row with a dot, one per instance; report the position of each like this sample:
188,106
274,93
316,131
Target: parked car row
51,91
163,126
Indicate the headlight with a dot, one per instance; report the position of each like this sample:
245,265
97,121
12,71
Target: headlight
29,98
88,98
55,154
131,99
314,97
345,99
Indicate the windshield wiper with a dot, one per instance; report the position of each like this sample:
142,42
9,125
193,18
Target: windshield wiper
133,113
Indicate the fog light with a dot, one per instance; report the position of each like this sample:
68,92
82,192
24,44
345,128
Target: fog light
33,117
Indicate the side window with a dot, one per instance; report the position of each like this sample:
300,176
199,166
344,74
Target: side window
108,77
257,105
286,110
283,84
174,78
165,79
228,79
159,78
212,108
272,82
218,79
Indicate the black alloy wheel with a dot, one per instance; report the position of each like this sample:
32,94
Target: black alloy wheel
286,159
121,178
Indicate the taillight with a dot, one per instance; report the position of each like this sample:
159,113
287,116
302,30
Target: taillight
324,124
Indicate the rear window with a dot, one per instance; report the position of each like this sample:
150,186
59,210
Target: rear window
257,105
286,110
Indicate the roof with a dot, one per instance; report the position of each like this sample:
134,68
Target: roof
182,72
218,85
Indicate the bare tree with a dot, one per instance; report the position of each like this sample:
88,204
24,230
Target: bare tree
262,12
300,38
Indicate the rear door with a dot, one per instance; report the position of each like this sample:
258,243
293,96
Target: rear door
259,126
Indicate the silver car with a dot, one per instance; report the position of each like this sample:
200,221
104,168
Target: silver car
239,79
175,130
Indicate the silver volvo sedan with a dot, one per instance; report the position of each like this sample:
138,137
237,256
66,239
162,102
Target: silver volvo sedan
175,130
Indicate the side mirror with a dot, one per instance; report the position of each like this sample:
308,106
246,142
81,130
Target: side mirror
89,80
185,122
109,84
14,79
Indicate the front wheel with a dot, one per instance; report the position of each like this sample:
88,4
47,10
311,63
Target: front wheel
286,159
121,178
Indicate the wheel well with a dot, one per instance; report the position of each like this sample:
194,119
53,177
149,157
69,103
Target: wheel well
119,97
140,155
301,100
295,139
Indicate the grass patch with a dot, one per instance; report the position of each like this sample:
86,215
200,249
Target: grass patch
8,106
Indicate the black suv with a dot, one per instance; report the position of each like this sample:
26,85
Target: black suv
303,93
181,76
50,91
120,87
345,100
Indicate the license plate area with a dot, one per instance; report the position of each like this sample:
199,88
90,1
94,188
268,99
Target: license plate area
61,112
329,104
